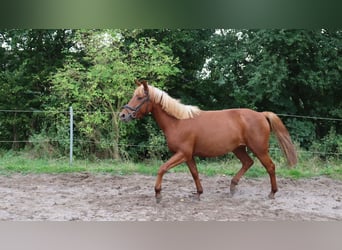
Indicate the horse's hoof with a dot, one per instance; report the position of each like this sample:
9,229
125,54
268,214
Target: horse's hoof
232,190
158,198
196,196
271,196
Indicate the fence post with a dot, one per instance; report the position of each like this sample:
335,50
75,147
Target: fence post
71,134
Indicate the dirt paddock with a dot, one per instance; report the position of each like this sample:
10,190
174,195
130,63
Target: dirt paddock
95,197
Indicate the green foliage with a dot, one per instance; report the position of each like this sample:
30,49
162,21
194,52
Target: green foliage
41,146
100,84
280,70
302,131
156,144
192,48
285,71
27,57
330,146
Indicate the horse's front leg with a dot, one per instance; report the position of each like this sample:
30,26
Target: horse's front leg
194,172
175,160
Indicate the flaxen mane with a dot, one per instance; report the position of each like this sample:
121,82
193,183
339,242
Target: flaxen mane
172,106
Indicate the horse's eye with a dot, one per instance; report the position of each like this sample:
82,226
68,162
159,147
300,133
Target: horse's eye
139,98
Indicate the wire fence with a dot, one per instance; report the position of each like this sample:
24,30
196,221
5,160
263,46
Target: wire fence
72,140
109,112
311,117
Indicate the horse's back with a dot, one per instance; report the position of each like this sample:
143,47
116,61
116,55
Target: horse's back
252,124
235,118
218,132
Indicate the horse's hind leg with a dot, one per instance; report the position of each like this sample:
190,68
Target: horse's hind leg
194,172
246,161
270,167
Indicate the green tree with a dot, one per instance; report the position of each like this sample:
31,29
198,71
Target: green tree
192,48
27,57
101,81
285,71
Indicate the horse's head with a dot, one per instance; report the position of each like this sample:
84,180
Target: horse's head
138,106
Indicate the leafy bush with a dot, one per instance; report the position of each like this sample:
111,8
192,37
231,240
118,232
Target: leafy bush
330,146
301,131
42,146
156,144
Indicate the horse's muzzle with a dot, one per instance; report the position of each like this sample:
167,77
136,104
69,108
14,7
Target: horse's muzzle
126,117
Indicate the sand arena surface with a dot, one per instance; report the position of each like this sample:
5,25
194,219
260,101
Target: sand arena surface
97,197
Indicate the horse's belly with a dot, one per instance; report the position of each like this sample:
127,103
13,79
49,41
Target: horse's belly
211,152
216,145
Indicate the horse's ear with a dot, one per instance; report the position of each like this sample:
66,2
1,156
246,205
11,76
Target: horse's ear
145,84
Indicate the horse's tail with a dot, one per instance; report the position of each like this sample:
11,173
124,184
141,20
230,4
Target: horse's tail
283,137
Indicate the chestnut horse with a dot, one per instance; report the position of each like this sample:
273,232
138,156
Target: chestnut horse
192,132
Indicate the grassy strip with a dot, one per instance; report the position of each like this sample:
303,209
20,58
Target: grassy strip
11,163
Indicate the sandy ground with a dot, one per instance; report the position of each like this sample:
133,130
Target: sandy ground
90,197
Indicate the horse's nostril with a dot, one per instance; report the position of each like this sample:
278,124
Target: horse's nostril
122,116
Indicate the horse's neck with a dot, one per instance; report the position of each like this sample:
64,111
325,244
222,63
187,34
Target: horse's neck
163,119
